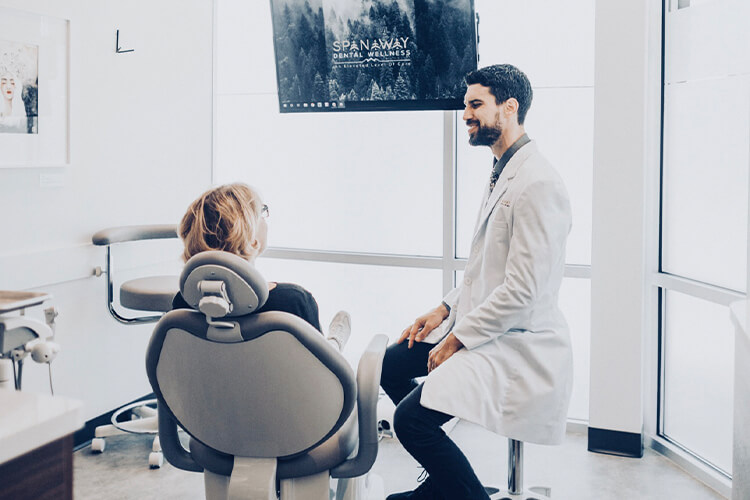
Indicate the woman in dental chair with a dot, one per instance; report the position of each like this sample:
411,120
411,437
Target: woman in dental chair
232,218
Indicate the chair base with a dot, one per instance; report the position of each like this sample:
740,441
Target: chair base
251,479
533,493
146,423
315,487
367,487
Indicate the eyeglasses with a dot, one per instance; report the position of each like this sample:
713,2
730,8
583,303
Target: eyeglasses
264,211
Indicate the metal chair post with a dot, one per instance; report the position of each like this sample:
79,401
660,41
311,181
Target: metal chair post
515,467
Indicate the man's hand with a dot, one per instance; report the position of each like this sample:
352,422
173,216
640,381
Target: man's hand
423,325
444,350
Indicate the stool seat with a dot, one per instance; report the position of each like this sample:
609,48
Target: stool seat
153,293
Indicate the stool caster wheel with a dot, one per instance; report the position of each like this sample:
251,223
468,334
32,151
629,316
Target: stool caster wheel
98,445
155,459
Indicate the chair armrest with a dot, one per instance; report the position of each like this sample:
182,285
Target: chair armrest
134,233
171,446
368,383
122,234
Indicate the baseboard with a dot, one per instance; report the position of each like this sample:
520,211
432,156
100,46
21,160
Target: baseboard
576,426
701,470
622,444
82,437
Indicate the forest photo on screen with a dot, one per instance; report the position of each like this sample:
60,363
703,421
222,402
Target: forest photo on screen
338,55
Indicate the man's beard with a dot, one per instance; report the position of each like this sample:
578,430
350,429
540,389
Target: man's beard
484,136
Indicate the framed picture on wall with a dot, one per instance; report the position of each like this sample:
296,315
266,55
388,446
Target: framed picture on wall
34,90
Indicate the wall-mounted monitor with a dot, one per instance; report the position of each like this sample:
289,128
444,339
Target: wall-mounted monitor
372,55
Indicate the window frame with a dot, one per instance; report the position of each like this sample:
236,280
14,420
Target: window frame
449,263
662,282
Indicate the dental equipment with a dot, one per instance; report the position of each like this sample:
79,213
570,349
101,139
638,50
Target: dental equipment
21,335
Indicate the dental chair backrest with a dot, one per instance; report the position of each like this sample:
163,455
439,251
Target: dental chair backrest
241,383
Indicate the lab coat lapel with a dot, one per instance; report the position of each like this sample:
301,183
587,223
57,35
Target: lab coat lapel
509,172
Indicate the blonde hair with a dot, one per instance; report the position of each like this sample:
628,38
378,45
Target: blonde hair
223,218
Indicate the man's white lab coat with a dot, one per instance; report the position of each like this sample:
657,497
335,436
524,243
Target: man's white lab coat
515,375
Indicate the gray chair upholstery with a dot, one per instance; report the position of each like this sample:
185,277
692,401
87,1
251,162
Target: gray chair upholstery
150,293
257,386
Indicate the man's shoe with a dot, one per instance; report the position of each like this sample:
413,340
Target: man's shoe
425,491
340,329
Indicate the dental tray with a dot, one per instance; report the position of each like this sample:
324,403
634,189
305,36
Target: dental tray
12,301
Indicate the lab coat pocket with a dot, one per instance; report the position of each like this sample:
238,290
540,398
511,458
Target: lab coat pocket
498,231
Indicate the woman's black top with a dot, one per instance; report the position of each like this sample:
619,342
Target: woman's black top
286,297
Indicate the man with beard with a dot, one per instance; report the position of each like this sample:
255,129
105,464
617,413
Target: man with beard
496,351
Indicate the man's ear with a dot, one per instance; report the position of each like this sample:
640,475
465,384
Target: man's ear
510,106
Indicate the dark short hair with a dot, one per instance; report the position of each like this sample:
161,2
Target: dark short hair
504,81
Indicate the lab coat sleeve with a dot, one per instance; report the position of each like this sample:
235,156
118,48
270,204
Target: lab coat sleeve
452,297
540,226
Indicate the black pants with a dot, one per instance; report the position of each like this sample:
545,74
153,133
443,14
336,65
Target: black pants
418,428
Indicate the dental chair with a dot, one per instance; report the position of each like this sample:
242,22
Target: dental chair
141,297
270,408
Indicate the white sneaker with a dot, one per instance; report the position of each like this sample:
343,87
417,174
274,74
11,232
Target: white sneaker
340,329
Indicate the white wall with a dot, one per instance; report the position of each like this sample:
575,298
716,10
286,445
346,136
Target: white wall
625,213
141,149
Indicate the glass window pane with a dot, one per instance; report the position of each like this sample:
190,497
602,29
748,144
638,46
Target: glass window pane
561,49
705,180
559,61
565,139
704,39
362,182
474,165
380,299
705,183
575,303
699,377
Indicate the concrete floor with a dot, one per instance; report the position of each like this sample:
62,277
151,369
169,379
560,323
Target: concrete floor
122,472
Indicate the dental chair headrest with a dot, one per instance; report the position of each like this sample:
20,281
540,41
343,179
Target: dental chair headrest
221,284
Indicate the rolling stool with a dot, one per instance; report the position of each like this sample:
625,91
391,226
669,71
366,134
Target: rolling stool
153,294
515,479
